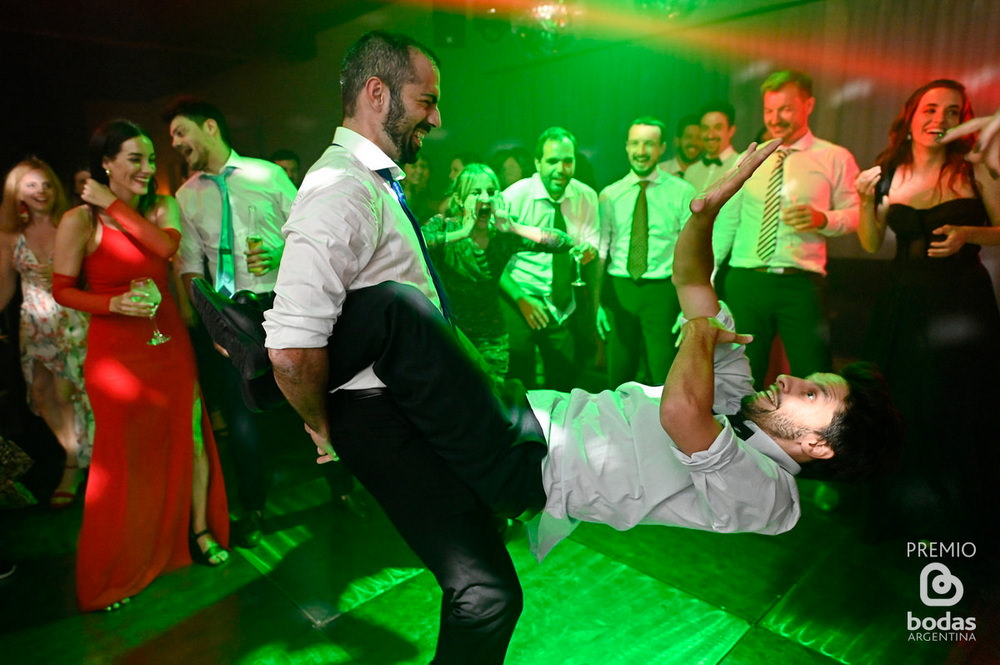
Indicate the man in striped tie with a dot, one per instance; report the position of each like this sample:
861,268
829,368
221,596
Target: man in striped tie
777,227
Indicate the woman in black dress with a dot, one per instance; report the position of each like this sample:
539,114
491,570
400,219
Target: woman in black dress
936,330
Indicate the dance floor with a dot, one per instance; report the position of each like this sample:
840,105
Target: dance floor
326,587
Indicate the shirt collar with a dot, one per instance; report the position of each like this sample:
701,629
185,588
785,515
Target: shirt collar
367,152
233,162
631,178
803,143
770,447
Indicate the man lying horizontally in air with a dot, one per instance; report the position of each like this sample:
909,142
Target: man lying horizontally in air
704,451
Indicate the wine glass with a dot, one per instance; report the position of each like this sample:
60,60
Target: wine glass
577,254
148,293
254,238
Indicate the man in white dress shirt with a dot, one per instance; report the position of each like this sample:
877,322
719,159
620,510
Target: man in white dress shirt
687,146
349,230
777,226
258,196
718,125
539,295
641,215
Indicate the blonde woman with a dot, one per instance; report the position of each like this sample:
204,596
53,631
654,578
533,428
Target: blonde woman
53,338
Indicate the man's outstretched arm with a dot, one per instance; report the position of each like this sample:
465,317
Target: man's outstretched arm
693,260
689,391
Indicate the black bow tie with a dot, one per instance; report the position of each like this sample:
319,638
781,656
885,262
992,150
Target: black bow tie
708,161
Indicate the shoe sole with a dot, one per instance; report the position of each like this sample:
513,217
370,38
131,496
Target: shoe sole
245,346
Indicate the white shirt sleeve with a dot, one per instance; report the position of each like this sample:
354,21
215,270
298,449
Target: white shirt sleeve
331,235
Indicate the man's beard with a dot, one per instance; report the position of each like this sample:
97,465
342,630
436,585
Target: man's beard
769,421
395,127
643,170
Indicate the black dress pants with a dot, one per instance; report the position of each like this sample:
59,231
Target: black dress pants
441,453
494,445
440,518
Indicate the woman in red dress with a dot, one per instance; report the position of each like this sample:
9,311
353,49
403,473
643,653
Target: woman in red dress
155,495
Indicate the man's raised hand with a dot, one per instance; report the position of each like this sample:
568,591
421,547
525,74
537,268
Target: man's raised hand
712,201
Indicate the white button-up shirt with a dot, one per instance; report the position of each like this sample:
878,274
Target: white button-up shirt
346,231
668,199
817,173
531,204
253,182
703,177
611,462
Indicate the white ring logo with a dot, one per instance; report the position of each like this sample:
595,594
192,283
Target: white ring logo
943,583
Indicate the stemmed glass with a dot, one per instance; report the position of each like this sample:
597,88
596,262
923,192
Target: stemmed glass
146,287
577,254
254,238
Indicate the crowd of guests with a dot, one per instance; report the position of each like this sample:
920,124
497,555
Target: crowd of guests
554,284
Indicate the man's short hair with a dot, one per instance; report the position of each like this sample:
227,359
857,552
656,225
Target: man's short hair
553,134
383,55
685,122
718,106
867,435
652,122
198,111
779,80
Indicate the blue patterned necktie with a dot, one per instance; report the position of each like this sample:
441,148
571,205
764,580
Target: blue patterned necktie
438,286
225,272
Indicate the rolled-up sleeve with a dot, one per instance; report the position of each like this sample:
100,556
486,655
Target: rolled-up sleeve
190,255
330,236
736,488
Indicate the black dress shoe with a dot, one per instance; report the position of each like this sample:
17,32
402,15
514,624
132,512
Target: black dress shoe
238,327
247,531
235,325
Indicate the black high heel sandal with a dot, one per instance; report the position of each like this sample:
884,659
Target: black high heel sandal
204,557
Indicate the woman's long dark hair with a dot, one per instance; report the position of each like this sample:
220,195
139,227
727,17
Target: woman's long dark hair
899,152
106,142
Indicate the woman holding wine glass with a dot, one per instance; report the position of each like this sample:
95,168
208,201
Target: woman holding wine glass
155,498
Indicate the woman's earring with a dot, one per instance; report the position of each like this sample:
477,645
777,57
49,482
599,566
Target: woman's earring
909,136
107,172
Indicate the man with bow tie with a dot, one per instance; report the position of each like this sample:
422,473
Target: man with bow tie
718,125
641,216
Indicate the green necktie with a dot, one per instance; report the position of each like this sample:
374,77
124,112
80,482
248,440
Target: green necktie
562,291
225,272
638,243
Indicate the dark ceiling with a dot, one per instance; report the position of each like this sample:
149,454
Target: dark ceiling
57,55
122,50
